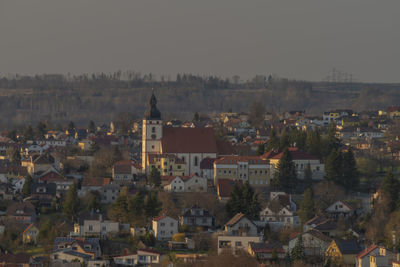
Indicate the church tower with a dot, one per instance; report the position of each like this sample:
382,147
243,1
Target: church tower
152,132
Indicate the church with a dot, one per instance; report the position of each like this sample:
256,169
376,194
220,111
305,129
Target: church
190,145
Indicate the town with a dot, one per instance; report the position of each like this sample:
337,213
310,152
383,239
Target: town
249,188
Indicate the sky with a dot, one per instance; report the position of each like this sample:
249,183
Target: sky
302,39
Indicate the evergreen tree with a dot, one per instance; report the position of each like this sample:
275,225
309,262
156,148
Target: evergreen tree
313,143
94,201
308,175
245,200
137,204
307,207
298,253
119,210
91,127
154,177
350,173
196,117
284,141
117,155
71,203
260,149
285,174
152,205
26,189
71,125
333,167
28,133
331,142
235,204
390,188
273,141
41,129
266,232
12,135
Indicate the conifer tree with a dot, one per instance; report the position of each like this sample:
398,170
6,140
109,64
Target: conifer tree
152,206
308,175
390,189
91,127
298,253
260,149
245,200
235,204
26,189
273,141
285,175
313,143
154,177
333,167
307,207
350,173
71,203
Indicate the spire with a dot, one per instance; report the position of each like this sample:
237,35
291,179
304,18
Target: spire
153,113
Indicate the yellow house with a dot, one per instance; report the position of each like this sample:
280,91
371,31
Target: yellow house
343,252
30,235
243,168
167,164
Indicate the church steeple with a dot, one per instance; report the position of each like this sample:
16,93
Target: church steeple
153,113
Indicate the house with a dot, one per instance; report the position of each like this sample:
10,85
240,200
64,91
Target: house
191,183
315,243
69,249
301,160
207,168
93,184
42,194
264,251
324,225
167,165
164,227
30,234
343,252
393,112
340,209
243,168
23,260
109,193
38,162
191,145
126,171
238,232
375,255
21,212
280,211
196,217
92,224
145,257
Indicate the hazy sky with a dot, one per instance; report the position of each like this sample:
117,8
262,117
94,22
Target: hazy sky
300,39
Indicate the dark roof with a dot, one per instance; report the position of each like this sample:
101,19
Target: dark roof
94,242
188,140
207,163
349,246
125,166
51,188
295,153
95,181
224,187
266,247
153,113
26,207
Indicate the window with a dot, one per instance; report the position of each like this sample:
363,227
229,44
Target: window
152,147
162,224
172,224
196,161
153,129
238,244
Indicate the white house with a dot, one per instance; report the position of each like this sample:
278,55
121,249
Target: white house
340,209
92,224
141,257
315,243
280,211
126,171
238,233
192,183
164,227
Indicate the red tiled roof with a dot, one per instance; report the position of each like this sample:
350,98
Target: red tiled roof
96,181
124,166
366,251
159,218
236,159
188,140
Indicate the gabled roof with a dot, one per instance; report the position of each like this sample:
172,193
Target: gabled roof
188,140
162,217
366,251
27,228
235,219
266,247
125,166
16,259
349,246
96,181
26,207
295,153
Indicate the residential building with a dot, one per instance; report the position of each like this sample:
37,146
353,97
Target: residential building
207,168
300,159
164,227
253,169
109,193
143,257
42,194
167,165
23,213
70,249
238,233
92,224
340,209
22,260
315,243
343,252
126,171
264,252
196,217
280,211
191,183
30,234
